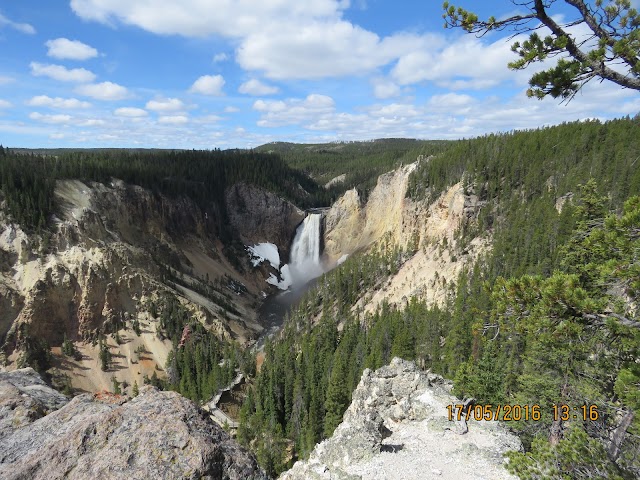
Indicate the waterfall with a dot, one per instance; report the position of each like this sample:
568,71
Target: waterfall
305,251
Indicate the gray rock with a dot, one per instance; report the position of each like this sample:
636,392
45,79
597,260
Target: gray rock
400,398
24,398
261,216
155,435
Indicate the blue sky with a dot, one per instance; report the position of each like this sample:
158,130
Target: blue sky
240,73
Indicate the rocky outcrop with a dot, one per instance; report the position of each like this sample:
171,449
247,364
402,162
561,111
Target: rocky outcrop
260,216
397,427
155,435
24,398
426,230
351,225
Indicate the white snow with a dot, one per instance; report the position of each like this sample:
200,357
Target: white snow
342,259
269,252
264,251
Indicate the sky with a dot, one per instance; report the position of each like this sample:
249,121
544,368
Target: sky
209,74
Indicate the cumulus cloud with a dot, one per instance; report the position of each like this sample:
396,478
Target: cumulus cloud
130,112
5,104
57,102
384,88
208,85
256,87
91,122
282,39
451,102
294,111
21,27
4,80
195,18
103,91
395,110
60,73
53,119
65,49
231,109
320,49
165,105
220,57
173,119
467,62
208,119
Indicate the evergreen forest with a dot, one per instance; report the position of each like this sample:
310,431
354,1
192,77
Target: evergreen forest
548,317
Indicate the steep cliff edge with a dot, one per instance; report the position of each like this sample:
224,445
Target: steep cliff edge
113,252
397,427
427,231
260,216
154,435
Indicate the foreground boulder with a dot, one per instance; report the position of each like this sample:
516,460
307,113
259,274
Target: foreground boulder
397,428
155,435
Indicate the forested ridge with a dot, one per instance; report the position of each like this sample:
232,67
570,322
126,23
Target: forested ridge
548,317
360,162
27,179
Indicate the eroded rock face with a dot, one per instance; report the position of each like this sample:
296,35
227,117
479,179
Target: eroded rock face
155,435
261,216
397,427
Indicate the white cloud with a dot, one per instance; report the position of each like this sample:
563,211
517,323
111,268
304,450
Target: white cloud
130,112
56,136
467,62
53,119
103,91
57,102
58,72
208,85
231,109
384,88
321,49
195,18
277,113
281,38
91,122
395,110
4,80
65,49
220,57
21,27
173,119
165,105
5,104
256,87
450,102
208,119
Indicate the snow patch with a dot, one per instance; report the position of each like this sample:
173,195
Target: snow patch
264,251
269,252
342,259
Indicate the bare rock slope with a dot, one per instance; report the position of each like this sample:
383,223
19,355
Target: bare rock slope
397,427
155,435
114,251
426,229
